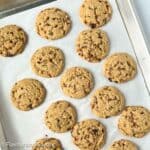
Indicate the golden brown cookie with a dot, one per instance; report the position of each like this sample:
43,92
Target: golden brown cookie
47,144
134,121
119,68
12,40
77,82
27,94
123,145
95,13
53,23
60,117
92,45
89,135
107,101
48,61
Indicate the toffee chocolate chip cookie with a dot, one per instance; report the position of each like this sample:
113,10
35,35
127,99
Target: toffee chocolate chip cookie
12,40
60,117
53,23
92,45
47,144
95,13
89,134
77,82
107,101
134,121
119,68
27,94
123,145
48,61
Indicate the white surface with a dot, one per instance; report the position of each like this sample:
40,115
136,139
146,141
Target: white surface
142,8
26,127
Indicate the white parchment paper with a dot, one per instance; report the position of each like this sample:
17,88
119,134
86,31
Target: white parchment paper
26,127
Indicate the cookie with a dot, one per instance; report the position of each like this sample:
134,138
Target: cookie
92,45
95,13
47,144
60,117
47,62
53,23
119,68
12,40
89,134
77,82
134,121
107,101
123,145
27,94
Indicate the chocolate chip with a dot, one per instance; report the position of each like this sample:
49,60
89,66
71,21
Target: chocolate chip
95,131
110,79
92,25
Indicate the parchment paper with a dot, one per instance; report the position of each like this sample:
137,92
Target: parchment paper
26,127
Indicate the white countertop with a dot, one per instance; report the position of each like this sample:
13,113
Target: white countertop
143,10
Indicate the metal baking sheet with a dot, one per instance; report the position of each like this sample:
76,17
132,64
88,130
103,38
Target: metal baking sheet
25,127
9,7
137,36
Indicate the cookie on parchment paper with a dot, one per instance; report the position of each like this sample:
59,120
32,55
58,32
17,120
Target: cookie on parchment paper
89,135
47,144
92,45
12,40
107,101
27,94
77,82
61,116
134,121
119,68
95,13
48,61
53,23
123,144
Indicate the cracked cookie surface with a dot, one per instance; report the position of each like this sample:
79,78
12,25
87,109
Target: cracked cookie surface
95,13
89,134
92,45
77,82
60,116
119,68
12,40
47,61
123,145
47,144
107,101
53,23
134,121
27,94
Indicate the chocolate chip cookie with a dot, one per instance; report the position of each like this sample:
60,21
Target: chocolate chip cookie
53,23
134,121
92,45
12,40
89,134
27,94
60,117
77,82
119,68
48,61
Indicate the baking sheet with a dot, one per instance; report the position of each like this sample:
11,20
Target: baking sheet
26,127
136,34
9,7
